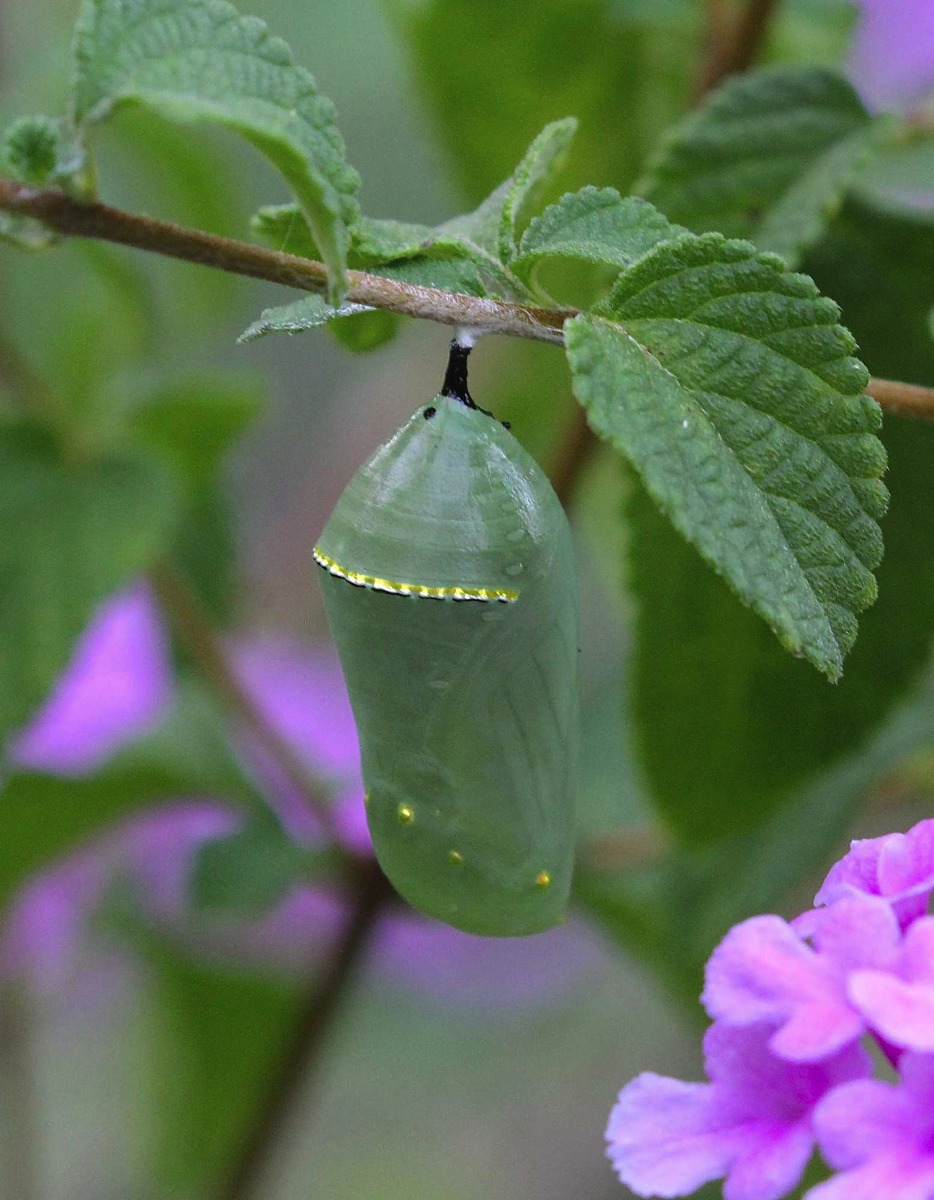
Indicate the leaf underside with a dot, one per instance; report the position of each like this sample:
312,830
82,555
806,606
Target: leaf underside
202,61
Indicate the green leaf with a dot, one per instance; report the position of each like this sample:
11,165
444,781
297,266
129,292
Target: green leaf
710,683
492,73
74,532
195,423
25,233
188,753
366,331
495,225
40,151
284,228
468,253
31,148
247,873
214,1040
310,312
768,157
594,225
44,817
812,31
375,242
192,745
672,913
198,60
728,384
707,682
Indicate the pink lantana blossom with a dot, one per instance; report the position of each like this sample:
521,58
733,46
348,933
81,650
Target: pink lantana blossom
899,1003
792,1003
880,1136
764,970
751,1124
118,683
899,867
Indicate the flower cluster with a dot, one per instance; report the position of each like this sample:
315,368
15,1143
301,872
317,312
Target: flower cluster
793,1007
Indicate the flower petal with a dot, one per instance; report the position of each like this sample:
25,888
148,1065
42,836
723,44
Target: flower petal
117,683
858,1121
887,1176
664,1140
902,1012
762,971
773,1164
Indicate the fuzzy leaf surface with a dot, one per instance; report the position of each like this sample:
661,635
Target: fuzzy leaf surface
727,382
594,225
495,224
768,157
199,60
311,312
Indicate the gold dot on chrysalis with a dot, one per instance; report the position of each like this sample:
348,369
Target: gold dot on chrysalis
406,814
542,880
455,858
366,799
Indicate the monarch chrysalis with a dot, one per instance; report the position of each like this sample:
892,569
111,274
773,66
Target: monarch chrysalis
450,589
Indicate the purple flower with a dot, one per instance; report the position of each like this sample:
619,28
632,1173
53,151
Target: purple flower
751,1123
892,55
880,1136
898,867
763,970
899,1003
117,684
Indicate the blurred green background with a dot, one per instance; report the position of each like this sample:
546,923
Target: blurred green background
425,1092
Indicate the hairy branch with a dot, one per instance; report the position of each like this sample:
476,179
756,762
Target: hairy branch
78,219
67,216
194,631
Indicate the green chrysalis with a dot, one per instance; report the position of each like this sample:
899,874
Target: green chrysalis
450,589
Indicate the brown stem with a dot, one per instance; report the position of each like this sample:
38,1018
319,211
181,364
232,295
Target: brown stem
307,1040
68,216
242,258
735,46
194,631
908,399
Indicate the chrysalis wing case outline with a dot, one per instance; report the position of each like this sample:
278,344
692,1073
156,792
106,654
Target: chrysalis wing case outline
449,584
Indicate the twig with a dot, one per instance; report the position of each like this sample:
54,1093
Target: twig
68,216
735,46
73,217
184,612
908,399
306,1042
